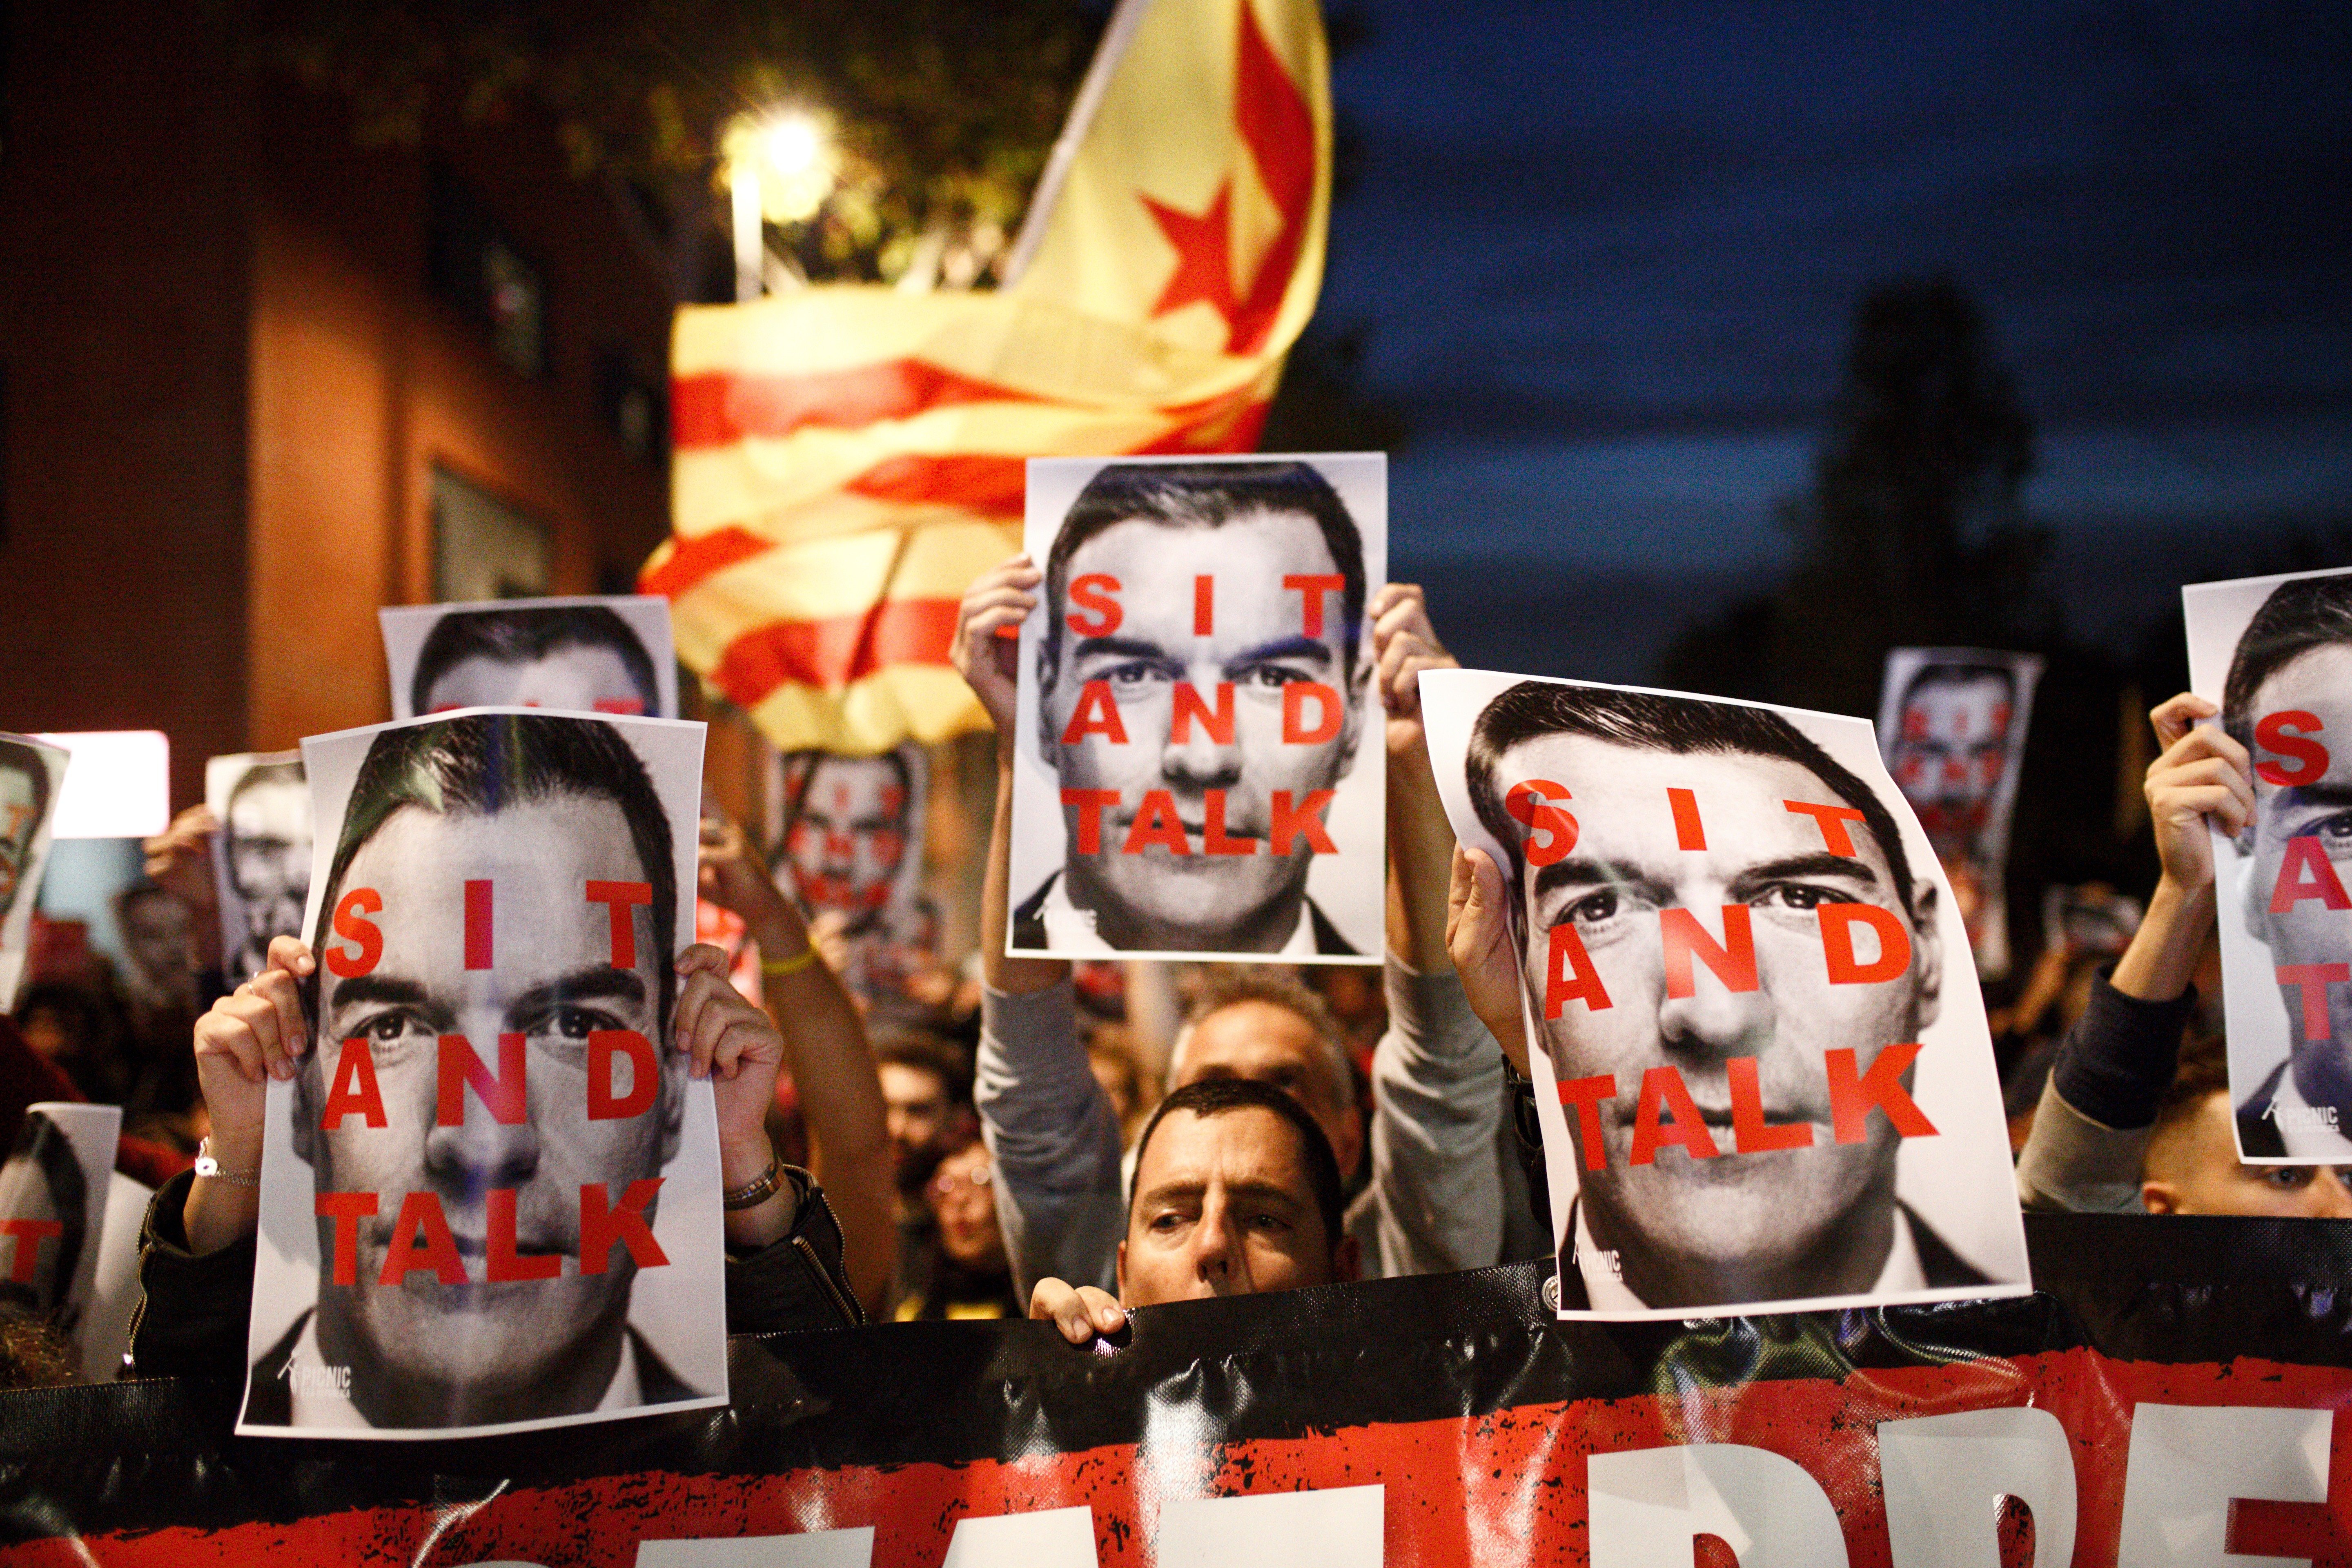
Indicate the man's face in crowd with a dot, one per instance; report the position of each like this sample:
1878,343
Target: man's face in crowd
155,934
1269,1044
2192,1168
582,677
848,839
1258,644
551,980
1734,1215
18,821
1951,754
268,834
914,1110
2319,808
1223,1206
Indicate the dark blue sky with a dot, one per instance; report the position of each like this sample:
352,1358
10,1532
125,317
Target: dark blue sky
1607,256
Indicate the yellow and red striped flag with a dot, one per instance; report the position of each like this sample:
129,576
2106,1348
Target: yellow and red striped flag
848,457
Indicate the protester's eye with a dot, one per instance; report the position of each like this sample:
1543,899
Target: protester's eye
1166,1222
1270,1222
2288,1178
1801,896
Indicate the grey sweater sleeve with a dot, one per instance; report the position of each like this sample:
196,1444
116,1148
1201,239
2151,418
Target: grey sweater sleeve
2091,1129
1437,1100
1054,1137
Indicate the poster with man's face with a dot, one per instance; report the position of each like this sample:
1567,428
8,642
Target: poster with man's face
2275,654
586,655
1759,1054
32,774
490,1198
261,859
53,1191
1199,771
1951,724
850,843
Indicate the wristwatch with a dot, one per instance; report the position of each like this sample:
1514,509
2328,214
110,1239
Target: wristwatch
212,1169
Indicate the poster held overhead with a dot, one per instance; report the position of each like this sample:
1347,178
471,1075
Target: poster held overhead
261,860
1952,724
1761,1068
591,654
489,1195
849,843
32,777
1192,778
53,1209
2276,655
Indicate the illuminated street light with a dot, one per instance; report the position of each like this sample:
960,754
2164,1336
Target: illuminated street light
780,168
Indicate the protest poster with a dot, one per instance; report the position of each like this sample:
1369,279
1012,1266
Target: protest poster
1952,725
590,654
53,1210
490,1198
32,776
261,860
848,844
1199,769
2276,655
1761,1057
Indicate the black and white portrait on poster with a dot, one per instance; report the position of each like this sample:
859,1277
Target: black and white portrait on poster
1761,1057
53,1203
32,775
1193,776
1952,724
490,1196
261,859
586,655
2276,655
849,847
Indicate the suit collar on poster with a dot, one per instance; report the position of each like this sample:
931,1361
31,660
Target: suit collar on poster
2300,1130
315,1397
1902,1272
1069,929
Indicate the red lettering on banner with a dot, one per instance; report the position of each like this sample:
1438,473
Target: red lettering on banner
363,934
2311,981
1098,591
1734,962
1095,714
1090,804
420,1239
1528,802
506,1265
1585,1096
1204,605
505,1097
2304,873
1157,824
1689,832
1312,587
477,924
1854,1094
1832,821
1750,1133
1663,1091
601,1229
1838,921
354,1087
29,1235
1303,820
1189,707
1295,730
2278,735
346,1209
619,898
605,1048
1569,974
1213,828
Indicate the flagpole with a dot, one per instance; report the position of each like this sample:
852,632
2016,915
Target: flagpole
1117,34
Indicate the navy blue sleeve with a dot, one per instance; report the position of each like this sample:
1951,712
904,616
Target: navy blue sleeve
2116,1063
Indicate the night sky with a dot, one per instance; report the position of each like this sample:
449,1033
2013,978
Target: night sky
1607,258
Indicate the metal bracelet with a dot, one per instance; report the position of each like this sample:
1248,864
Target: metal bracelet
759,1190
212,1169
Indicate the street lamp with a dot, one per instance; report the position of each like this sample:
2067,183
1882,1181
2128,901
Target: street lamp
780,168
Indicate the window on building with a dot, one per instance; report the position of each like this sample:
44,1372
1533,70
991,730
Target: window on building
485,546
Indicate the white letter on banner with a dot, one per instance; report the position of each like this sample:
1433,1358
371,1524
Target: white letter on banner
1649,1505
2187,1461
1050,1538
814,1549
1341,1528
1940,1472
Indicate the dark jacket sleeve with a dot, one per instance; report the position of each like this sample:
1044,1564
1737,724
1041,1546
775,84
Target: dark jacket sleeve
2117,1060
194,1319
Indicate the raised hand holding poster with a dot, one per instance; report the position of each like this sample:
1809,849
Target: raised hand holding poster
261,860
490,1194
588,655
1760,1054
32,774
1192,778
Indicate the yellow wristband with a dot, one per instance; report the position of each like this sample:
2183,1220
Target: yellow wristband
777,968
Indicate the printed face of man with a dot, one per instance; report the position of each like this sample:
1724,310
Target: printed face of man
583,678
2313,812
155,935
1736,1219
1222,1207
848,839
551,980
1952,752
268,848
18,821
1221,788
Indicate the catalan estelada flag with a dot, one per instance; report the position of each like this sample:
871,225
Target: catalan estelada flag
848,457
